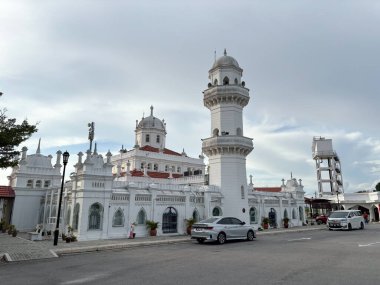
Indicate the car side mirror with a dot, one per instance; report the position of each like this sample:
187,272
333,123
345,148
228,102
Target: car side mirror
243,223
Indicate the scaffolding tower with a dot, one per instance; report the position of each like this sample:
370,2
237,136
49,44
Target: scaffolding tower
328,166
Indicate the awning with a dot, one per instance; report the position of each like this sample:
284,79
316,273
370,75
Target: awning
7,192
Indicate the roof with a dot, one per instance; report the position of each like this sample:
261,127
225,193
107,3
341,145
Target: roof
268,189
154,174
155,149
7,192
225,60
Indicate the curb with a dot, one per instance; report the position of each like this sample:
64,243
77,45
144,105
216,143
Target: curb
73,250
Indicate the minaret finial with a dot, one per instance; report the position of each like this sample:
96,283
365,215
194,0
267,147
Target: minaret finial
214,55
291,175
225,52
151,110
39,147
96,149
91,133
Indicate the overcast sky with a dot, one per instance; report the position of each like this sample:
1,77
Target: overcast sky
312,67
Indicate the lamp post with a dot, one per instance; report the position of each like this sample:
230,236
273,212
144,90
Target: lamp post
56,232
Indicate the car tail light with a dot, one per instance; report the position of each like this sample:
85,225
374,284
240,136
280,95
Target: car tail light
209,228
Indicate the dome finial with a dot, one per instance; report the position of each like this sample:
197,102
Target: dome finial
225,52
151,110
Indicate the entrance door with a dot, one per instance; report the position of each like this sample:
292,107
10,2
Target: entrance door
272,218
169,221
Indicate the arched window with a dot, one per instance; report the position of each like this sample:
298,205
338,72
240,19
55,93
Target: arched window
95,217
196,215
239,132
300,210
179,169
68,215
29,184
236,81
215,132
158,139
147,138
47,184
226,81
118,218
216,81
38,184
142,165
166,168
253,215
294,214
169,221
242,192
149,166
141,217
285,213
155,167
76,216
216,211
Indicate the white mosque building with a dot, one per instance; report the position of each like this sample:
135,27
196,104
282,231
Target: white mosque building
104,196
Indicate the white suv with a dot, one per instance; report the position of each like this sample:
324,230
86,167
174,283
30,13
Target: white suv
345,220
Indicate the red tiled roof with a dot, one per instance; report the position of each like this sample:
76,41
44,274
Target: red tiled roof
154,149
153,174
7,192
268,189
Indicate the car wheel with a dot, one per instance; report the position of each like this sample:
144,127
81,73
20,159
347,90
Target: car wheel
319,222
349,227
361,225
200,240
221,238
250,236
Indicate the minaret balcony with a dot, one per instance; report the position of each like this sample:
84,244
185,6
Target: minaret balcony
227,145
226,94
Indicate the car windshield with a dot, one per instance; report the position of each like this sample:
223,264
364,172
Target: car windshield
208,221
338,214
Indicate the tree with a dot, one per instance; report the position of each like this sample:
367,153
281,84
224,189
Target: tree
378,187
11,136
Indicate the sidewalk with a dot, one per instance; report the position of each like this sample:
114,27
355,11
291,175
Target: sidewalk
20,248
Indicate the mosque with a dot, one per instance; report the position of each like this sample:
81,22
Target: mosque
105,195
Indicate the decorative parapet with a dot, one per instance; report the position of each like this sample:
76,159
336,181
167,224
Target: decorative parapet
226,94
227,145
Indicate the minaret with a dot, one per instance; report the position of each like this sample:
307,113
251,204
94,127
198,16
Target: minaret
227,148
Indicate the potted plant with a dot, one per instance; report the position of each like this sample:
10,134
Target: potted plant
152,226
14,231
265,223
10,229
189,223
286,222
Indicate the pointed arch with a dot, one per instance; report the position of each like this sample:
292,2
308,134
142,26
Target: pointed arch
226,80
253,215
286,213
95,217
216,81
141,217
196,215
118,218
294,214
76,216
169,220
217,212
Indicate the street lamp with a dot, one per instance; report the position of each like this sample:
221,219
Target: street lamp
56,232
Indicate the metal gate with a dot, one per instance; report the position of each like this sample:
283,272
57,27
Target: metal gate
272,218
169,221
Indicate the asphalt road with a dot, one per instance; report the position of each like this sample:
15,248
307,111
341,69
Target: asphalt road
314,257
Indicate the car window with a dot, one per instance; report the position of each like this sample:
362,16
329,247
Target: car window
235,221
224,221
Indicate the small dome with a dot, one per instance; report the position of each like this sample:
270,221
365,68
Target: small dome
151,122
225,60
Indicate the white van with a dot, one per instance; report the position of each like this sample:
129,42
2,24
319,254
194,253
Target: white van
345,220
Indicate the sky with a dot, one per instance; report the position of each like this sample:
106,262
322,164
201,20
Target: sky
312,67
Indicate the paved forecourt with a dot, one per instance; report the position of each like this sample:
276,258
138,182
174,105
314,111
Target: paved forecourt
20,248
